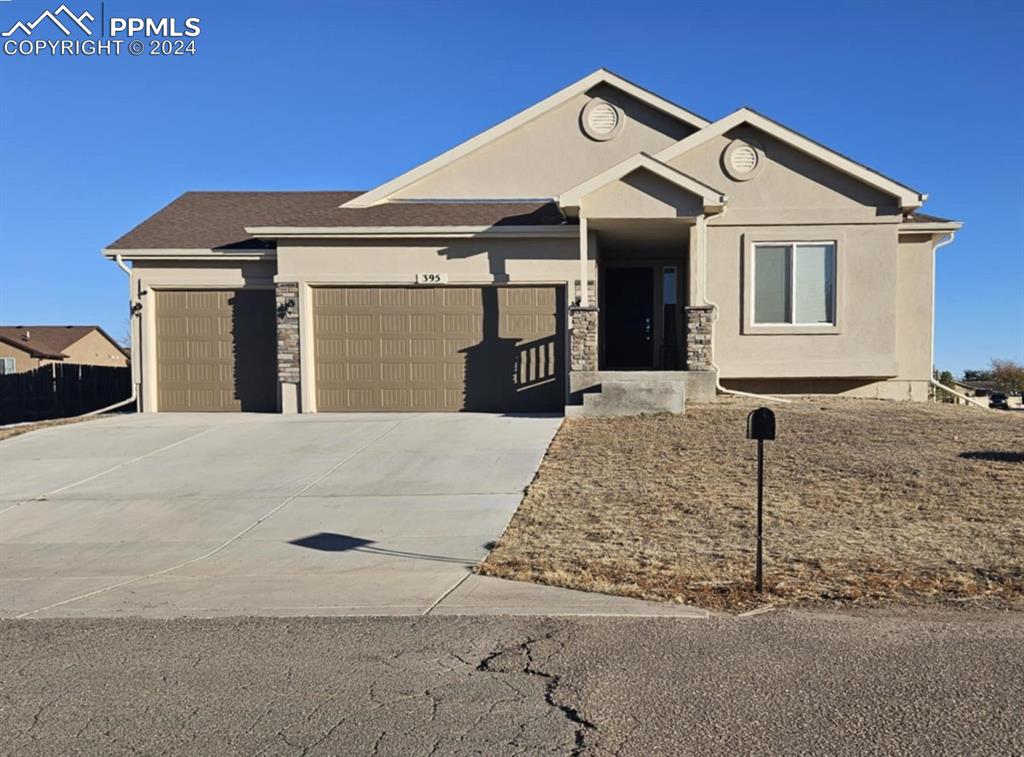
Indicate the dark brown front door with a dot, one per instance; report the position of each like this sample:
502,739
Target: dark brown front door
629,318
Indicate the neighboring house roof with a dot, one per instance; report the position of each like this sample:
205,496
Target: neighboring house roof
601,76
713,199
48,341
909,198
219,220
979,386
30,350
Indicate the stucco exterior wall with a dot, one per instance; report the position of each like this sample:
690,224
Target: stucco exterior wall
914,313
22,360
479,260
95,349
641,194
863,344
550,154
881,344
791,187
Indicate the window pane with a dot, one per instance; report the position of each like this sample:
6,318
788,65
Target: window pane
669,286
815,276
771,295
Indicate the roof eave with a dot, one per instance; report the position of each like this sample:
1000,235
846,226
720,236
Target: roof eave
185,253
409,232
945,227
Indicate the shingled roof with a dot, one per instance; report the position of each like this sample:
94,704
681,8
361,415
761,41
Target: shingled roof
217,220
47,341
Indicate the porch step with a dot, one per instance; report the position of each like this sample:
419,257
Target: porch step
699,385
632,398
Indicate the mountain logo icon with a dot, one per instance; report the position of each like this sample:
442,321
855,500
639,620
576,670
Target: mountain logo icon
63,12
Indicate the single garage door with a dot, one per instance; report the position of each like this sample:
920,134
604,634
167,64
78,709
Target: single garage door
487,349
216,350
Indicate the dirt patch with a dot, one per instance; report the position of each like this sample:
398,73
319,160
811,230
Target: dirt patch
866,502
7,432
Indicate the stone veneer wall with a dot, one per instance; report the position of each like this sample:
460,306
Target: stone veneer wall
288,333
584,338
699,319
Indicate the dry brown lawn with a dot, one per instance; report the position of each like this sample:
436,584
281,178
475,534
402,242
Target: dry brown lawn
866,502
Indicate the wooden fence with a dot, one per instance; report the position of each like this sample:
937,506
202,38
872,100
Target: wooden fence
61,390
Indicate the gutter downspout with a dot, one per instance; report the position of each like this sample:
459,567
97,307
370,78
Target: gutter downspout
134,363
931,376
703,297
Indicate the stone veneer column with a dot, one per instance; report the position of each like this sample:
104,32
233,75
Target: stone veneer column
699,319
288,371
584,338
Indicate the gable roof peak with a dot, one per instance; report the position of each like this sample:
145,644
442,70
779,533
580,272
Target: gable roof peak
600,76
909,199
714,200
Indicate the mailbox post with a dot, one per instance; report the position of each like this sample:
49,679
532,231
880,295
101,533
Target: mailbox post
760,426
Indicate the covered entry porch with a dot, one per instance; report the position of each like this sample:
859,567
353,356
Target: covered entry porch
642,325
641,294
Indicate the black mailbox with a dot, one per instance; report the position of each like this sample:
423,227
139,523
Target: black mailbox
761,424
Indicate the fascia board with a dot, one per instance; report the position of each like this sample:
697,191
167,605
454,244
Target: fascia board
409,232
186,254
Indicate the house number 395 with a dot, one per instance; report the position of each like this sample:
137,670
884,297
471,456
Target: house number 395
431,278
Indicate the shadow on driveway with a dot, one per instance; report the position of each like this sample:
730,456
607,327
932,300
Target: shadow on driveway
328,542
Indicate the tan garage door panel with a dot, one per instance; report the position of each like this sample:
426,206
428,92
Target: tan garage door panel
216,350
496,349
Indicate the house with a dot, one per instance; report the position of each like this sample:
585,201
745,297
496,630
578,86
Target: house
602,236
984,389
25,348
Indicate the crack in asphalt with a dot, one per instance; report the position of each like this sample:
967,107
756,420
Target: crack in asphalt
529,665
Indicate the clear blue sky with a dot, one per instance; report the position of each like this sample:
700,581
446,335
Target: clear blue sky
339,95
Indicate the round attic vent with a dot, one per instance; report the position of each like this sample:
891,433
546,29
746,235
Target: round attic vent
601,120
743,160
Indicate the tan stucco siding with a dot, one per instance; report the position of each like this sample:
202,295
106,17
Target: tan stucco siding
95,349
916,258
642,195
212,273
880,346
791,187
550,154
470,261
22,360
864,342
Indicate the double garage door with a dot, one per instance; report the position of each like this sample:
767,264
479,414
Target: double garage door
486,349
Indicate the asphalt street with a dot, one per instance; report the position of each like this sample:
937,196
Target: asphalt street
778,683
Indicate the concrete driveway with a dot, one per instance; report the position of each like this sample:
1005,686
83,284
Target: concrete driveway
168,515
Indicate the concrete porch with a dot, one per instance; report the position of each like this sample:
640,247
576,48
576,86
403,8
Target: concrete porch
641,337
605,393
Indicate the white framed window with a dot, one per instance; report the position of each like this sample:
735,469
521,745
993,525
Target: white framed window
794,283
6,365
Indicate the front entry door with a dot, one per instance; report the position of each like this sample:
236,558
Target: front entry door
629,318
